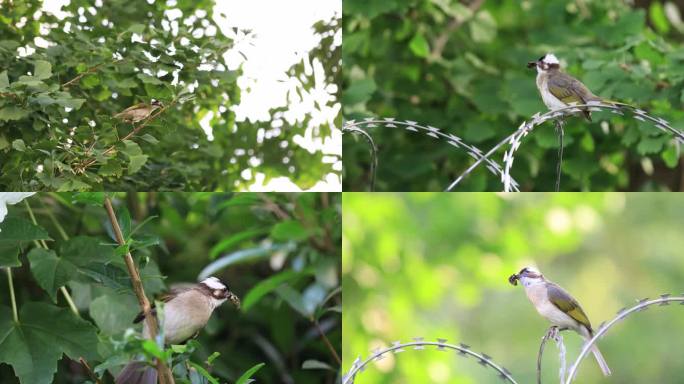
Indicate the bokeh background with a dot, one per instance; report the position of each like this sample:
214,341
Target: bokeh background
460,65
436,266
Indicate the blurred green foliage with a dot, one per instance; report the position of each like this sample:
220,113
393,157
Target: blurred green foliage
63,78
460,66
289,283
437,266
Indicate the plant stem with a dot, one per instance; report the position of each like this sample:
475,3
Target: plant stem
165,376
62,289
56,223
90,371
327,342
14,300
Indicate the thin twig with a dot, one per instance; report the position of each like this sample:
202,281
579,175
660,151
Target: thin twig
88,71
165,376
327,342
90,371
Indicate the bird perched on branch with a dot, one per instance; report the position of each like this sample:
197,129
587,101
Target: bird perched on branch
186,312
557,306
558,89
138,112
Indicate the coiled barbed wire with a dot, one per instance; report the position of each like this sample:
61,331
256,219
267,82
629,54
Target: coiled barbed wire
373,151
642,304
434,132
537,119
418,343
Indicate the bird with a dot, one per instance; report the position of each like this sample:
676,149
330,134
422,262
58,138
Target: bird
138,112
557,306
558,89
186,312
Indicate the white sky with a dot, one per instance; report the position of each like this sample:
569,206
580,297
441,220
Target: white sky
281,35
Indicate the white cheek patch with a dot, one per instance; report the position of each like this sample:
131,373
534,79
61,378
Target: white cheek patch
213,283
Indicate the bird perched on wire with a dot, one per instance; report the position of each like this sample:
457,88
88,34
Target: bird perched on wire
186,312
558,89
138,112
557,306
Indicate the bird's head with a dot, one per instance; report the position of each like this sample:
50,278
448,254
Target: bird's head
526,275
545,63
158,104
218,292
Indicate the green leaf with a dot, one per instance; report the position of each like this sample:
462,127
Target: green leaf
671,156
4,81
648,145
266,286
213,357
84,250
147,79
71,103
44,332
89,198
111,168
13,113
42,69
359,91
658,18
137,28
419,45
231,241
244,256
19,145
294,299
50,271
135,163
483,27
9,253
247,376
90,81
204,372
289,230
15,229
113,313
315,364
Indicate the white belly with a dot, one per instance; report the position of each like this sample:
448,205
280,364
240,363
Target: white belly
539,297
551,101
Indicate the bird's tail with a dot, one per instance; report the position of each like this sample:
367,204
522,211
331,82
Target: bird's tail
137,372
600,360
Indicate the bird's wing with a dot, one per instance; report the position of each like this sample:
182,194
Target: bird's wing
569,90
566,303
131,108
164,298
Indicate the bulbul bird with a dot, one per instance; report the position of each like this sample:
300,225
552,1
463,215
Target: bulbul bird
557,306
559,89
138,112
186,312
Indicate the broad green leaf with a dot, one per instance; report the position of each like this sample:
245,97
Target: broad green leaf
137,28
114,313
135,163
111,168
19,145
90,81
658,18
266,286
50,271
15,229
246,377
483,27
9,252
43,334
289,230
83,250
89,198
359,91
42,69
419,45
71,103
231,241
13,113
147,79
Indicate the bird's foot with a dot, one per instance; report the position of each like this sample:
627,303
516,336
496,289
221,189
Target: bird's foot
553,333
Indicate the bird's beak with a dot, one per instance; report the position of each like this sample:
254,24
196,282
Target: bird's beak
531,64
233,299
513,279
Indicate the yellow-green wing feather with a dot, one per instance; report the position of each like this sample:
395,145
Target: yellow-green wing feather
566,303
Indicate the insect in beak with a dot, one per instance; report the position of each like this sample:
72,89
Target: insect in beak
513,279
233,299
531,64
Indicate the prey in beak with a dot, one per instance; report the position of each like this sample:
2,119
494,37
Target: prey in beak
513,279
531,64
233,298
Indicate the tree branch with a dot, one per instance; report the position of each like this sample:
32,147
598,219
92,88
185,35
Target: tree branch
333,352
165,376
441,40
